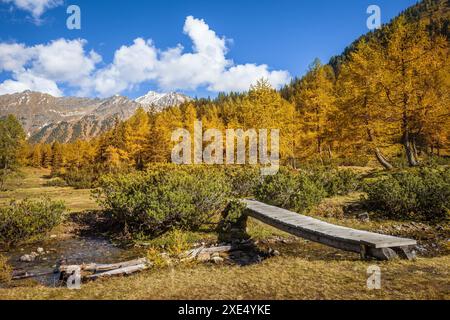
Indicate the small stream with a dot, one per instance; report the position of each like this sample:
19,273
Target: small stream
73,250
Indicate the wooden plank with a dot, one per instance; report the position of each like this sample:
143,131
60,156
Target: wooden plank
400,242
336,236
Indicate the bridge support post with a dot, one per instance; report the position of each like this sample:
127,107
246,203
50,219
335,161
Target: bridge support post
387,253
406,252
233,225
382,253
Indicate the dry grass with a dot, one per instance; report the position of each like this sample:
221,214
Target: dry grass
309,272
31,184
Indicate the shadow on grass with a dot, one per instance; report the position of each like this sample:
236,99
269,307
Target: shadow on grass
94,223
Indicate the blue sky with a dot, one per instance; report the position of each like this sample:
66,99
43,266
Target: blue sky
236,41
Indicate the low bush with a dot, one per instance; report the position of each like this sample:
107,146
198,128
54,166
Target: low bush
434,161
27,219
290,190
156,258
57,182
418,193
336,181
171,244
243,180
360,160
164,197
81,178
177,242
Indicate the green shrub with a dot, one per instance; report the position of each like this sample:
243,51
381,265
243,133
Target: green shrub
81,178
57,182
163,197
336,181
399,161
291,190
435,161
356,160
419,193
27,219
243,180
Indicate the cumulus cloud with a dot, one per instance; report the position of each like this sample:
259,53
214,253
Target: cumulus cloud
174,69
41,67
67,62
13,56
35,7
132,65
64,61
241,77
203,66
29,81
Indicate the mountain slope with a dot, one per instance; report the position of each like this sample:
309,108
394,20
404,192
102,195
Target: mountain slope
36,110
101,119
47,119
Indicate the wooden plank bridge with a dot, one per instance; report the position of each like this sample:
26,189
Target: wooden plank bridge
368,244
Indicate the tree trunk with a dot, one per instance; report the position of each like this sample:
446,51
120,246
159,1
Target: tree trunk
414,147
380,157
410,155
294,162
406,139
3,175
330,153
319,150
412,161
382,160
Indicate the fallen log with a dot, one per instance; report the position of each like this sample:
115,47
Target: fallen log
194,253
117,272
94,267
191,254
94,271
28,275
218,249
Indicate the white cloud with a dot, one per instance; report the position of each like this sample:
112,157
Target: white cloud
42,67
35,7
13,56
132,65
173,69
241,77
178,70
28,81
66,62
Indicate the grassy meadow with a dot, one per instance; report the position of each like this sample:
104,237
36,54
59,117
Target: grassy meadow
31,183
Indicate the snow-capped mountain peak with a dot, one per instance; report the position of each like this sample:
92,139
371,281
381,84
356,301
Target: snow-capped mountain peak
163,100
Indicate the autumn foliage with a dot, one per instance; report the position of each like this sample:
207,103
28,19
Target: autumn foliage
387,97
